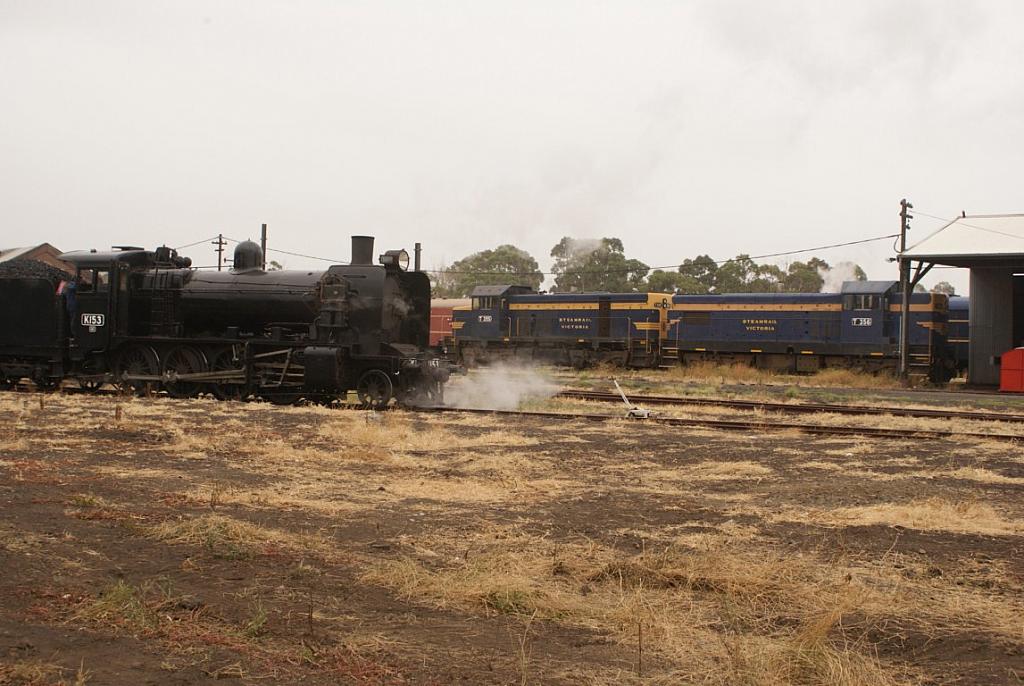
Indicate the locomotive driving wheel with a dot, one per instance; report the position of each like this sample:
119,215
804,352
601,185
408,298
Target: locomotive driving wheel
183,360
227,360
375,389
137,360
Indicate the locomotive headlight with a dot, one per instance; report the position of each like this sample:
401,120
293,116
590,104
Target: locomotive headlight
395,258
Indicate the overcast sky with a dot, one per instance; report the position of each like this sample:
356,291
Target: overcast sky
681,128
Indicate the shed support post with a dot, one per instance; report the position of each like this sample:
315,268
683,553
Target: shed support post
904,317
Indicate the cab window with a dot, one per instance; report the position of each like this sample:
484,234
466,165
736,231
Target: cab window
84,282
862,302
102,281
484,303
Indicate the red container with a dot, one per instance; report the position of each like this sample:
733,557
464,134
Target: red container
1011,371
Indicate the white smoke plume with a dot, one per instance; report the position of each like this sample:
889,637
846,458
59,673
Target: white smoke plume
836,275
498,387
399,305
579,248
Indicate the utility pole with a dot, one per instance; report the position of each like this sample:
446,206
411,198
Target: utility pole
905,218
220,243
263,246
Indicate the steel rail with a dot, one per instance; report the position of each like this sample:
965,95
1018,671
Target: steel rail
730,425
745,425
792,408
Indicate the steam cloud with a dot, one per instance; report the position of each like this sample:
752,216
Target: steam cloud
581,247
398,304
836,275
498,387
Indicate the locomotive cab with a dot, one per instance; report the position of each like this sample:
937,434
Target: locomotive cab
99,300
865,307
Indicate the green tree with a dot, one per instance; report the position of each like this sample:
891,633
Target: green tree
700,275
506,264
944,287
734,275
805,277
596,265
664,282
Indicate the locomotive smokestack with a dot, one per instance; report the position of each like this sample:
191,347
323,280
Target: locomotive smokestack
362,250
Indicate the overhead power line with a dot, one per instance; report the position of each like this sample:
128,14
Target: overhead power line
695,264
190,245
295,254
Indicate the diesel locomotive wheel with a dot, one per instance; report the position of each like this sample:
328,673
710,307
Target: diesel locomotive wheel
375,389
183,360
225,361
138,360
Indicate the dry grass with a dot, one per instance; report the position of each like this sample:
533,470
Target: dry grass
36,672
722,615
935,513
731,607
745,374
978,474
232,538
120,605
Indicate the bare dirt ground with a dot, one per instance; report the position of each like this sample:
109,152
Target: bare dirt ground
177,542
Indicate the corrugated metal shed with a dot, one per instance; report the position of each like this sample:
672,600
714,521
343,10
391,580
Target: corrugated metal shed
992,247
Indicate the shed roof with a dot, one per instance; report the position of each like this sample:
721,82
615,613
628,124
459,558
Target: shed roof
7,254
992,240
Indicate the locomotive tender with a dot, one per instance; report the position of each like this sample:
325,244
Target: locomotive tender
798,332
146,320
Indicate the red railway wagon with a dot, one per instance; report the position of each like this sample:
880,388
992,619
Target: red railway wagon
441,318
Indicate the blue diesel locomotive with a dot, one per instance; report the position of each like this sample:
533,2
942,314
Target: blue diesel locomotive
960,329
797,332
805,332
576,329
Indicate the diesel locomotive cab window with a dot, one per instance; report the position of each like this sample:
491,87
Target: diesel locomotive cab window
483,303
861,302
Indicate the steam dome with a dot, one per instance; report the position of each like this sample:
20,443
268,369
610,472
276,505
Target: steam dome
248,255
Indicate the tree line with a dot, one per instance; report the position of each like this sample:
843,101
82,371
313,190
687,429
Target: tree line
602,265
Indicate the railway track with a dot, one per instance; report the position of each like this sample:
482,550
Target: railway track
722,424
745,425
788,408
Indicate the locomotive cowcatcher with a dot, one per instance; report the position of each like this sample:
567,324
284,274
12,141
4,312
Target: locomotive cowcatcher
146,321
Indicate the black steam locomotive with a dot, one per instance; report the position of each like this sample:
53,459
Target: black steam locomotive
146,321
